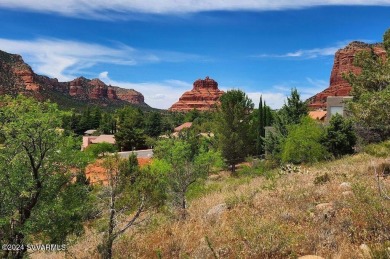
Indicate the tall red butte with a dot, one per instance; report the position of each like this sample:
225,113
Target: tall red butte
204,96
343,63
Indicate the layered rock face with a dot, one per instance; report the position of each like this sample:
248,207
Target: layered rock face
343,64
128,95
16,77
203,96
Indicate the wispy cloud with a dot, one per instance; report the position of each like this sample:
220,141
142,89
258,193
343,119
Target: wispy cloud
112,9
157,94
310,53
63,59
276,97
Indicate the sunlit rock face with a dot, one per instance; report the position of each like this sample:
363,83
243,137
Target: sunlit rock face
343,63
204,96
17,77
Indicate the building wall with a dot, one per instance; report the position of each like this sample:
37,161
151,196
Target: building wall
87,141
337,104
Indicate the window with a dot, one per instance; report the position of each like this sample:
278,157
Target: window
336,109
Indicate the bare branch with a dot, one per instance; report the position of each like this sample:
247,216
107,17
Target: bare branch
132,221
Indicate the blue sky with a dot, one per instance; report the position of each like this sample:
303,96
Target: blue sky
160,47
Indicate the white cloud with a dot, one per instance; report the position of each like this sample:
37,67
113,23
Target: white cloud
63,59
306,53
112,9
311,53
274,100
157,94
104,75
278,96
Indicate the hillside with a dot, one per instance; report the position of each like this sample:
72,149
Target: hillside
17,77
329,209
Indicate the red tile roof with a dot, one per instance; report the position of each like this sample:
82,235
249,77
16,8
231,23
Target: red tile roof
317,115
185,125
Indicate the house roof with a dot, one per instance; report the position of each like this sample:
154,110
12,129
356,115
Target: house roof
104,138
317,115
185,125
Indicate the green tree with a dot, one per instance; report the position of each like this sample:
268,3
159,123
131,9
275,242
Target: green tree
303,143
37,166
295,109
192,115
130,168
130,133
291,113
107,124
233,126
86,121
128,138
153,125
339,136
261,127
370,106
100,149
126,199
96,116
264,119
185,166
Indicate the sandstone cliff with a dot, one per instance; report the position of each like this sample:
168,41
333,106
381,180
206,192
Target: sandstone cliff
203,96
343,63
16,77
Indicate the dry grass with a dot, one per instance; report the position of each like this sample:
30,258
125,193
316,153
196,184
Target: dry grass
269,218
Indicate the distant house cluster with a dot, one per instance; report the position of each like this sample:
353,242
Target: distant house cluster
177,131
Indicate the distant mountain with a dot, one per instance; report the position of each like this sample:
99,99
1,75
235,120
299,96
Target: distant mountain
343,63
17,77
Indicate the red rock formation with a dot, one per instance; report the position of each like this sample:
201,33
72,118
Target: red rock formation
203,96
111,94
18,77
27,77
129,95
98,89
77,87
343,63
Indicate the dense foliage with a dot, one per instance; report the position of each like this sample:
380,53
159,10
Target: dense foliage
340,137
37,166
290,114
371,91
233,126
303,143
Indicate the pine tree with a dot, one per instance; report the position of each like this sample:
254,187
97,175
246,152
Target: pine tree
261,120
233,126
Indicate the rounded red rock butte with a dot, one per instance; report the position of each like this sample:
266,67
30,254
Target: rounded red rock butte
204,96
